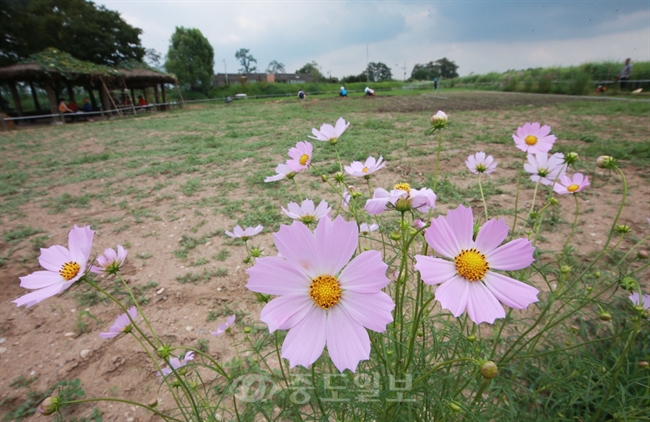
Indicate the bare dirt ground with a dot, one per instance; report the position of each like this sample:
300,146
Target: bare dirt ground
44,343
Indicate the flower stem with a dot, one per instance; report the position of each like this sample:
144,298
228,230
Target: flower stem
521,171
575,223
435,177
297,189
480,186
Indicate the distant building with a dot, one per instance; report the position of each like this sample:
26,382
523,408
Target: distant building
221,79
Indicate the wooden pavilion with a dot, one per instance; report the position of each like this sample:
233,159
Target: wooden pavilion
55,69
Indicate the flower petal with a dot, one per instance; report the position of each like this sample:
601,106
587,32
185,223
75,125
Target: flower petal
366,273
284,312
509,291
31,299
306,340
296,243
461,222
434,270
492,233
41,279
441,238
514,255
347,340
80,243
335,242
453,295
54,257
482,306
276,276
373,311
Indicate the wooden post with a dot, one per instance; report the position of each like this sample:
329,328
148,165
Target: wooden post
35,96
93,102
111,98
104,101
71,97
16,96
51,99
155,96
180,95
164,97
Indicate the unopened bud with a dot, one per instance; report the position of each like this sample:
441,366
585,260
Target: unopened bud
605,162
246,260
49,406
439,120
605,316
420,333
623,229
597,274
565,269
323,178
247,329
153,402
628,283
553,201
642,254
571,158
455,407
164,351
643,364
338,176
256,252
471,338
489,370
396,235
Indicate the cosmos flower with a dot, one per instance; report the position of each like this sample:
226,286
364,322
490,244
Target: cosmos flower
64,267
401,198
466,278
221,329
110,262
324,298
345,202
359,169
364,228
566,185
533,138
300,156
245,234
480,164
439,120
122,324
306,212
283,172
329,133
643,301
176,363
545,169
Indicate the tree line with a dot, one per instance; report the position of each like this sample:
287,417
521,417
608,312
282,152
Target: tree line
96,34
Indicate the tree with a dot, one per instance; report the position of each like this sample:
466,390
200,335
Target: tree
246,60
440,68
191,58
378,72
78,27
153,58
275,67
313,69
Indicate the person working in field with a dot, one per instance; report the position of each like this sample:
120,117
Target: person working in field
369,91
343,92
625,74
302,95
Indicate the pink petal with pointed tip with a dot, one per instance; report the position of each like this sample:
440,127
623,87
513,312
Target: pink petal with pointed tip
372,310
305,342
277,276
442,239
490,236
434,270
296,243
284,312
453,295
41,279
336,242
347,341
509,291
366,273
54,257
31,299
514,255
461,222
482,306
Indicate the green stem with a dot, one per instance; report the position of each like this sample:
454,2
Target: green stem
435,177
521,170
137,305
575,223
532,205
134,403
480,186
297,188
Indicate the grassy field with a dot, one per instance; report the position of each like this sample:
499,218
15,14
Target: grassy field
167,185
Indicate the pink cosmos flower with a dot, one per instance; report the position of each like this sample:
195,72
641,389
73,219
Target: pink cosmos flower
223,327
480,164
359,169
283,172
110,262
329,133
324,298
402,198
468,281
544,168
418,224
568,185
176,363
533,139
364,228
306,212
300,156
640,301
64,267
122,324
345,202
245,234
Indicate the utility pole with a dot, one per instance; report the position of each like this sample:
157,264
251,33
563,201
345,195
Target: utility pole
225,71
367,70
404,68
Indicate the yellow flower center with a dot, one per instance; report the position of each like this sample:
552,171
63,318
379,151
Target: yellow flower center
365,170
471,264
69,270
572,188
303,159
531,140
403,186
325,290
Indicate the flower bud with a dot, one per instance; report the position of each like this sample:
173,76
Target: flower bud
256,252
247,329
439,120
489,370
596,274
164,351
565,269
643,364
642,254
396,235
262,298
605,316
571,158
454,406
471,338
553,201
628,283
49,406
605,162
153,402
338,176
323,178
246,260
420,333
623,229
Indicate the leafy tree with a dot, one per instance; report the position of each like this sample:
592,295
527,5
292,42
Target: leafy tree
313,69
378,72
246,60
275,67
191,58
79,27
153,58
440,68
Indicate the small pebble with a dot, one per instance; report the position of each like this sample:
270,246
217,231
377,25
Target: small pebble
160,291
2,340
189,328
84,353
70,334
2,350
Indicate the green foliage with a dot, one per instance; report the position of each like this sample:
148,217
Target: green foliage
313,69
23,381
246,60
89,32
444,68
275,67
19,233
191,58
378,72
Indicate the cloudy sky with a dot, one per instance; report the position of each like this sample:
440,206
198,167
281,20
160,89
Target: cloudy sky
480,36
